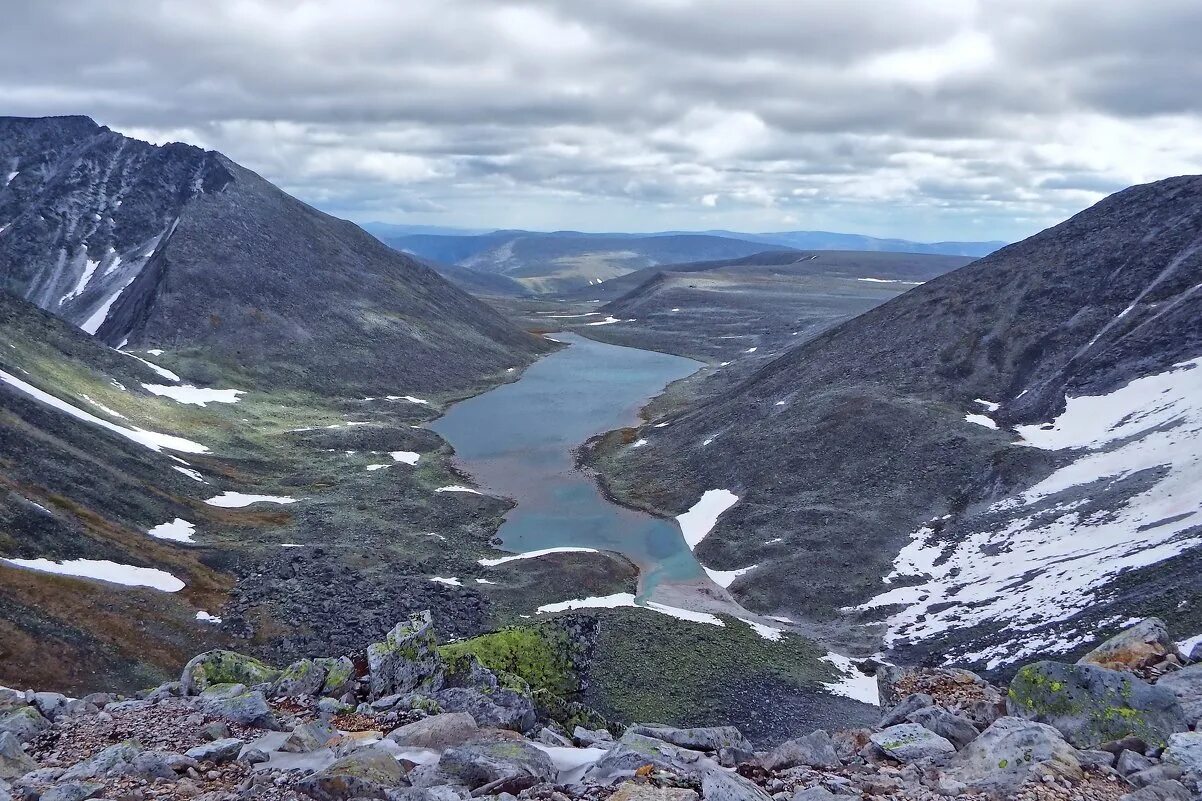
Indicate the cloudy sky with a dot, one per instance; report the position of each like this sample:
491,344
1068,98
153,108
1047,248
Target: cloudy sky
947,119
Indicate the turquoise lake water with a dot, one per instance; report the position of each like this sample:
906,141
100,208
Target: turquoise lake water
517,441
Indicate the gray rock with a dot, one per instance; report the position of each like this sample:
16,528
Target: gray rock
637,791
444,792
238,705
550,737
1091,705
592,737
723,786
49,704
1095,759
1185,750
1155,775
704,738
1165,791
303,677
218,751
635,751
366,773
73,791
1131,762
151,765
909,742
253,756
501,709
180,763
953,728
733,757
428,776
112,761
1138,648
1186,684
171,689
5,792
904,708
24,723
815,750
216,731
14,761
816,793
308,737
437,732
407,659
1010,752
224,667
485,762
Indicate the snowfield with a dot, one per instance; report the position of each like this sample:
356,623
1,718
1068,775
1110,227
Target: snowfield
104,570
196,396
1049,555
233,500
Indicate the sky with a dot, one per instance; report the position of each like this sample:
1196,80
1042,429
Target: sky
928,120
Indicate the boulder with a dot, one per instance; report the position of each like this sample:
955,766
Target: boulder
722,786
303,677
308,737
225,750
407,659
443,792
1132,762
1091,705
24,723
14,762
1186,684
224,667
635,751
437,732
233,702
515,762
816,793
706,738
112,761
949,686
588,738
815,750
366,773
1010,752
548,736
909,742
1136,649
500,708
904,708
73,791
634,791
152,765
1156,774
50,704
953,728
1185,750
1165,791
340,676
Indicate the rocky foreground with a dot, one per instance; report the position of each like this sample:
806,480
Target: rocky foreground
404,722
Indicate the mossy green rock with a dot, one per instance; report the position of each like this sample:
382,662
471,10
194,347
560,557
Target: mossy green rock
24,723
305,677
541,656
224,667
406,660
366,773
1091,705
479,763
340,676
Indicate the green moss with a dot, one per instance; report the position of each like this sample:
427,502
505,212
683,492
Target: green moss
1002,763
535,656
230,667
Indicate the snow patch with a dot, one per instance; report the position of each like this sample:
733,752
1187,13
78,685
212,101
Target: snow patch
450,582
190,473
163,371
607,321
534,555
981,420
148,439
205,617
178,530
407,457
622,599
195,396
767,632
852,684
696,523
104,570
458,488
233,500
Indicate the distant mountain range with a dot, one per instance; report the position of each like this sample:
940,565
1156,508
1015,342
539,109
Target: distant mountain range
565,261
989,466
181,248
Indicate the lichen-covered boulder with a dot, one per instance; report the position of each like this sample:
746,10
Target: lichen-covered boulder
953,728
484,762
437,732
701,738
340,676
635,751
112,761
407,659
1009,753
303,677
365,773
1186,684
1136,649
815,750
224,667
233,702
1091,705
24,723
308,737
722,786
909,742
495,708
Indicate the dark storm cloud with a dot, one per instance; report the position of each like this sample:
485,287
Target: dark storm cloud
915,117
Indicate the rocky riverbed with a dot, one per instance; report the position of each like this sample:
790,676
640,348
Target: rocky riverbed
410,721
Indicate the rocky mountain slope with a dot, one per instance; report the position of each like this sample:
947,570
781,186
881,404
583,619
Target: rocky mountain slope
178,248
985,467
408,719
